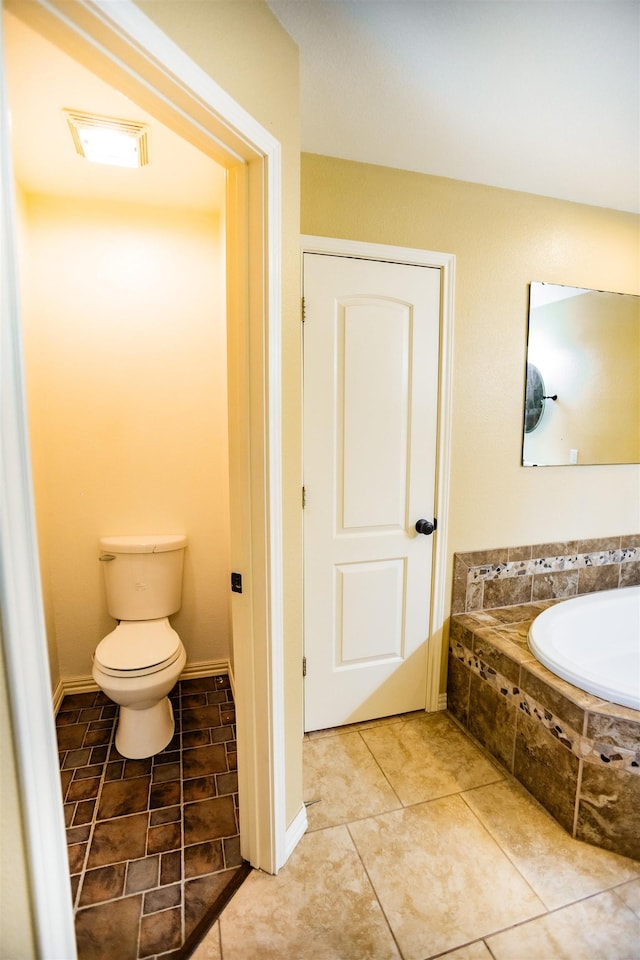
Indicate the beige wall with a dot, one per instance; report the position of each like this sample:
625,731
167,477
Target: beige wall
37,439
502,240
246,51
125,344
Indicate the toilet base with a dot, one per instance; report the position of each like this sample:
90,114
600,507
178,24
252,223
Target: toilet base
143,733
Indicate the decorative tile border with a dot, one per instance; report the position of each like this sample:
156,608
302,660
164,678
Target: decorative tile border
592,751
487,579
521,568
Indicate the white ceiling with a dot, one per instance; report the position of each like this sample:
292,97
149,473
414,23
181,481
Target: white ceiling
535,95
41,81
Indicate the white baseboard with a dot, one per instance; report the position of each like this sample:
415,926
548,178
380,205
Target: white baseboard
58,695
78,685
232,680
205,668
199,668
295,831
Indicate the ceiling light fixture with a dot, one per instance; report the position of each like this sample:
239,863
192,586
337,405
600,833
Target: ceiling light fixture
121,143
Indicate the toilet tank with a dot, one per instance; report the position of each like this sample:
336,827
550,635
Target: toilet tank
143,575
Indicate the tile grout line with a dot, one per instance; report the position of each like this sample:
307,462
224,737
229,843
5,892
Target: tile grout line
489,949
548,910
555,910
463,946
183,866
377,763
94,817
502,850
371,884
576,801
614,890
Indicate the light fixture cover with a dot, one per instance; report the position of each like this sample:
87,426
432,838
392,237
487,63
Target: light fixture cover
121,143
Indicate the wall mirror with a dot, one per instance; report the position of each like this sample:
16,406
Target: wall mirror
582,388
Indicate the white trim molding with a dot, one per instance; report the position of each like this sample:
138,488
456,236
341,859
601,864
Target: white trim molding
59,694
295,831
86,684
23,630
118,41
446,263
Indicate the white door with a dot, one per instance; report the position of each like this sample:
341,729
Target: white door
371,342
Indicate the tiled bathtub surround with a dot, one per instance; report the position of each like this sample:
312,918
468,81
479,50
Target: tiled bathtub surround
577,754
487,579
153,844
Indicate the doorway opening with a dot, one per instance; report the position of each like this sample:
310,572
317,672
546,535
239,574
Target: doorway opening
124,329
118,39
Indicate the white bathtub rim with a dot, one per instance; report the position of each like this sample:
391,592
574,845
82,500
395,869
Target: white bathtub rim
626,692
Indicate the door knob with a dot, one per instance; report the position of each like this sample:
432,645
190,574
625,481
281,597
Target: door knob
426,527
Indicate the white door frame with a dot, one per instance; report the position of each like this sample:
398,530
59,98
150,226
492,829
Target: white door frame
446,263
118,42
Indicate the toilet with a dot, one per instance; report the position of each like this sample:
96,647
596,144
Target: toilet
139,662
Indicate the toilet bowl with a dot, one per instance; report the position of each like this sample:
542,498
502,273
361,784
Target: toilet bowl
139,662
137,665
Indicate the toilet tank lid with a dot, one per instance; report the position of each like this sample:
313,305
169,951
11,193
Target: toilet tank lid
153,543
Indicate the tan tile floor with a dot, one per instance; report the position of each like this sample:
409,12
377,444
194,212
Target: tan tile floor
420,846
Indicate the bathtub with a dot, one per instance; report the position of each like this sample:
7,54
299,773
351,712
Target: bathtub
593,641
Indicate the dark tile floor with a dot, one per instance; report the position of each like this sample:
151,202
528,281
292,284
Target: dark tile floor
154,848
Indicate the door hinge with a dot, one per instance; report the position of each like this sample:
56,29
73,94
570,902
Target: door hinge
304,497
236,583
304,666
303,310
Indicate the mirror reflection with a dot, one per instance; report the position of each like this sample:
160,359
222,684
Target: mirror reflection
582,390
534,398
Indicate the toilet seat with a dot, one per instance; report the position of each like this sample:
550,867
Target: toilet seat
138,647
